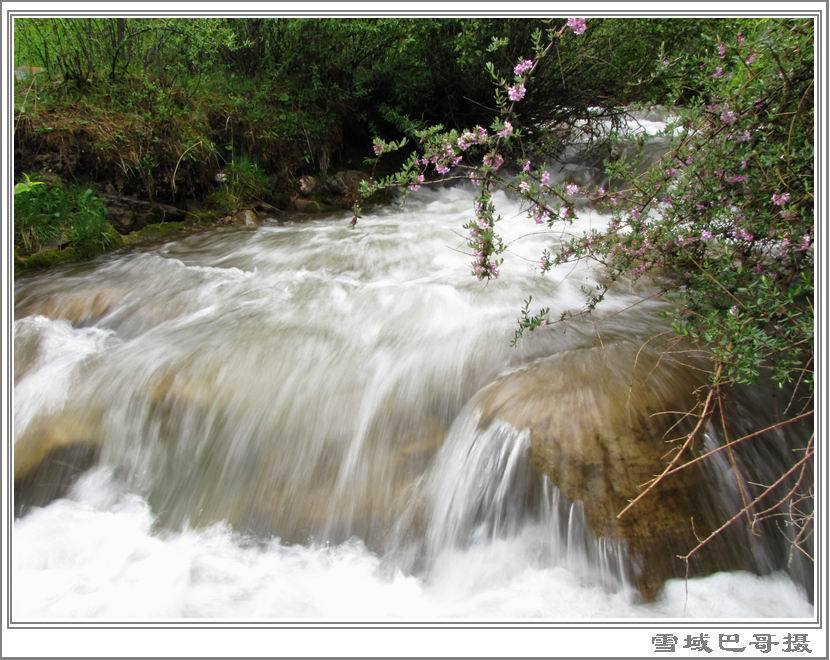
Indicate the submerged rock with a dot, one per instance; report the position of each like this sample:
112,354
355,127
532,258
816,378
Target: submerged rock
77,308
599,432
52,453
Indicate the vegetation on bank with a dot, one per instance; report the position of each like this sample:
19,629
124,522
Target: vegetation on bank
230,111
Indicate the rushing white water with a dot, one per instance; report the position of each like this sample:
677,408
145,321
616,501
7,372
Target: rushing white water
285,430
98,556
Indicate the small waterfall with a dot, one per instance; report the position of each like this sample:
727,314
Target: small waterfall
482,487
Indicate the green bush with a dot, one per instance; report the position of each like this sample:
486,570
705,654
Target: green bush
243,182
53,215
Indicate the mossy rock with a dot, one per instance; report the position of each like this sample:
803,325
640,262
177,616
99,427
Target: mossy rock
49,259
155,232
599,432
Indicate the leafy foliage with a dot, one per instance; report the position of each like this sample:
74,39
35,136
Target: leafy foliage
54,215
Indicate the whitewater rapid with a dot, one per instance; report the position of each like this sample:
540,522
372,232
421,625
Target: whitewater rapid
285,433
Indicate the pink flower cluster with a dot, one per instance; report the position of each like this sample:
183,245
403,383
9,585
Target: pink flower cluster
468,138
727,116
506,131
444,160
578,25
780,199
516,92
493,160
523,67
541,217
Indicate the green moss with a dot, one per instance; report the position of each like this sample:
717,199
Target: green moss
47,259
154,232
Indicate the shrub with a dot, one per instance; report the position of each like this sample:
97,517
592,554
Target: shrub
723,222
242,182
53,215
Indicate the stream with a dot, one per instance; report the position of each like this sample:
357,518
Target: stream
285,425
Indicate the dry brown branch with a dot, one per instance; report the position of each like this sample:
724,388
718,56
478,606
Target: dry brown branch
744,438
762,514
804,371
740,513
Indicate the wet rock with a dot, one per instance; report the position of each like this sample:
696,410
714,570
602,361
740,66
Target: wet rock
599,433
77,309
306,205
52,453
308,184
343,188
243,218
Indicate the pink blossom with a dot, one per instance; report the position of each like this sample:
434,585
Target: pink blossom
416,186
740,38
705,235
378,149
524,186
727,116
506,131
721,50
494,160
745,136
545,178
442,169
526,167
718,73
523,66
578,25
751,58
780,200
516,92
572,189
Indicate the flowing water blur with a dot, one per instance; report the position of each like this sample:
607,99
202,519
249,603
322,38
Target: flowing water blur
284,429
